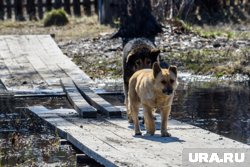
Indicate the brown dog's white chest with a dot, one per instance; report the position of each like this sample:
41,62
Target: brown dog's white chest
158,102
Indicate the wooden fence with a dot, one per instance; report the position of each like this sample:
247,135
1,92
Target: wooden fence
33,9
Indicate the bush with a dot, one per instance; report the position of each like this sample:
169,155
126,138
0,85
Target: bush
56,17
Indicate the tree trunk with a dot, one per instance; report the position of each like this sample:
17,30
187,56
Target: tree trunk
76,7
58,4
18,6
31,9
224,3
232,3
1,10
87,7
48,5
8,3
67,6
169,9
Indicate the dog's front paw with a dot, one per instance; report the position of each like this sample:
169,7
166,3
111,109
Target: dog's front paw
130,120
165,134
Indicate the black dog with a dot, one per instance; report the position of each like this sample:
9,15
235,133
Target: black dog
139,53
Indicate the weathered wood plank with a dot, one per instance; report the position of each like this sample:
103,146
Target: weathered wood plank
34,56
62,61
84,140
37,60
97,101
27,74
112,142
156,150
77,101
17,62
43,112
17,73
4,71
46,57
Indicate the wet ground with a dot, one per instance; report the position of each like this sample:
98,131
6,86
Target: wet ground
27,141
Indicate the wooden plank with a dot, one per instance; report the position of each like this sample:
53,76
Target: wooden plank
43,112
34,56
22,58
18,47
4,71
77,101
156,150
16,71
84,140
112,142
97,101
49,60
38,92
62,61
38,60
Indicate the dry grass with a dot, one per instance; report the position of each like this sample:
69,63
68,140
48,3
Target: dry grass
78,27
229,31
216,62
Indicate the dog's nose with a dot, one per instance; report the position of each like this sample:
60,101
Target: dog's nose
168,91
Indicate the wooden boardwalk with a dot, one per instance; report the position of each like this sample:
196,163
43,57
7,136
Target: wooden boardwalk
34,65
112,142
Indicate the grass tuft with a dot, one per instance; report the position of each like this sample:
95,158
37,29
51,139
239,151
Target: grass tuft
57,17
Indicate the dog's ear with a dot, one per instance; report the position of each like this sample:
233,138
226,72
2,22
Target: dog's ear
129,57
155,52
173,69
156,69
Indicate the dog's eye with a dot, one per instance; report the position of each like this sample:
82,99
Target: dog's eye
163,82
171,81
138,62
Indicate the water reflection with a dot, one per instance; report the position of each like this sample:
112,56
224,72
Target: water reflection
223,108
26,140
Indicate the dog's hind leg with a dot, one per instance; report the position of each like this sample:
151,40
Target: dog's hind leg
134,109
149,119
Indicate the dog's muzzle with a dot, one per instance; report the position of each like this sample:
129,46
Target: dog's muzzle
167,91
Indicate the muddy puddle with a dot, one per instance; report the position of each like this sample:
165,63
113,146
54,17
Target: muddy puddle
27,141
218,105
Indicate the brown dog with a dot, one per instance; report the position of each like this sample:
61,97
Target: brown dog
154,89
